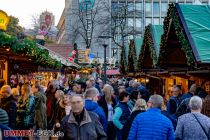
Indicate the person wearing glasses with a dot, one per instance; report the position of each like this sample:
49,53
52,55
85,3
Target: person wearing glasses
81,124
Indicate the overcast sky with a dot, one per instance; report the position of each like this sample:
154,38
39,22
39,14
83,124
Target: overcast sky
25,9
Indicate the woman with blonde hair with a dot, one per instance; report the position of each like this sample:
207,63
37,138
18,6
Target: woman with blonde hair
26,108
108,102
140,106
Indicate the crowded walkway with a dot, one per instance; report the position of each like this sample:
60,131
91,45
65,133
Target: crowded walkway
91,110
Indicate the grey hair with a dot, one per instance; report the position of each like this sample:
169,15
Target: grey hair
195,103
156,100
78,95
91,92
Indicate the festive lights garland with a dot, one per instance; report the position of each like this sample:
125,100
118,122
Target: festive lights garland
185,46
123,62
132,58
28,48
147,44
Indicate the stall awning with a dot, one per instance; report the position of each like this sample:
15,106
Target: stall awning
197,27
113,72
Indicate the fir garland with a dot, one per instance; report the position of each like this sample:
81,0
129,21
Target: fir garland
132,57
29,49
123,62
147,44
173,14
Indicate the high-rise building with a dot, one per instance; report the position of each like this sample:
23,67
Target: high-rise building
136,14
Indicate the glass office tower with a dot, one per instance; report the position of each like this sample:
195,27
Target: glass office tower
143,12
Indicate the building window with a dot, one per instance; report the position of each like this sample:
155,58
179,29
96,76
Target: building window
162,20
148,21
156,9
156,21
130,7
148,9
138,23
164,8
138,9
130,22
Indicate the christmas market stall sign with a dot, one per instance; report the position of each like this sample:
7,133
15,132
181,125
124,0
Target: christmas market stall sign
4,20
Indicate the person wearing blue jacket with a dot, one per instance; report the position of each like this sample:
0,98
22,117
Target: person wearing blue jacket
122,113
91,97
152,125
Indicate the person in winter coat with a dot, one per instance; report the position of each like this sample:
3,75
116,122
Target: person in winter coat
8,103
108,102
152,125
40,119
51,102
26,109
172,104
122,113
194,125
59,95
174,101
206,106
140,106
133,97
184,105
190,93
81,124
63,109
91,97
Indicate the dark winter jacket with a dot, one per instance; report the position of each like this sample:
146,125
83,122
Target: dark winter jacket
151,125
94,107
102,102
9,105
173,104
129,89
89,129
121,115
187,95
128,124
26,113
183,107
40,111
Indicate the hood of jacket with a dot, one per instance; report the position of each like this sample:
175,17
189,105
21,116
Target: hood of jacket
90,105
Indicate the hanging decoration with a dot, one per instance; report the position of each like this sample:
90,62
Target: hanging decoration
72,55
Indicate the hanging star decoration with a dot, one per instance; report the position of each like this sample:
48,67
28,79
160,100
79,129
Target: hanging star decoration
72,55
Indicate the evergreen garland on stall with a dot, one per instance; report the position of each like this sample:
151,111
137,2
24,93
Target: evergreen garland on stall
173,18
132,57
123,62
28,48
147,47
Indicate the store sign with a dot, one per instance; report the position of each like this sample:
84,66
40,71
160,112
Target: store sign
4,20
86,4
83,56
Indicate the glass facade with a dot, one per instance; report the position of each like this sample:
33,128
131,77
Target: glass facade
140,13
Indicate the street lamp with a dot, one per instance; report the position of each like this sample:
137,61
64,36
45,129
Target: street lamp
105,46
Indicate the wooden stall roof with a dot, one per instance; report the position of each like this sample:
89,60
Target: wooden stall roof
186,38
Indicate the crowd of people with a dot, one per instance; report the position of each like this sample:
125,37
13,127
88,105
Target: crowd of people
117,110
